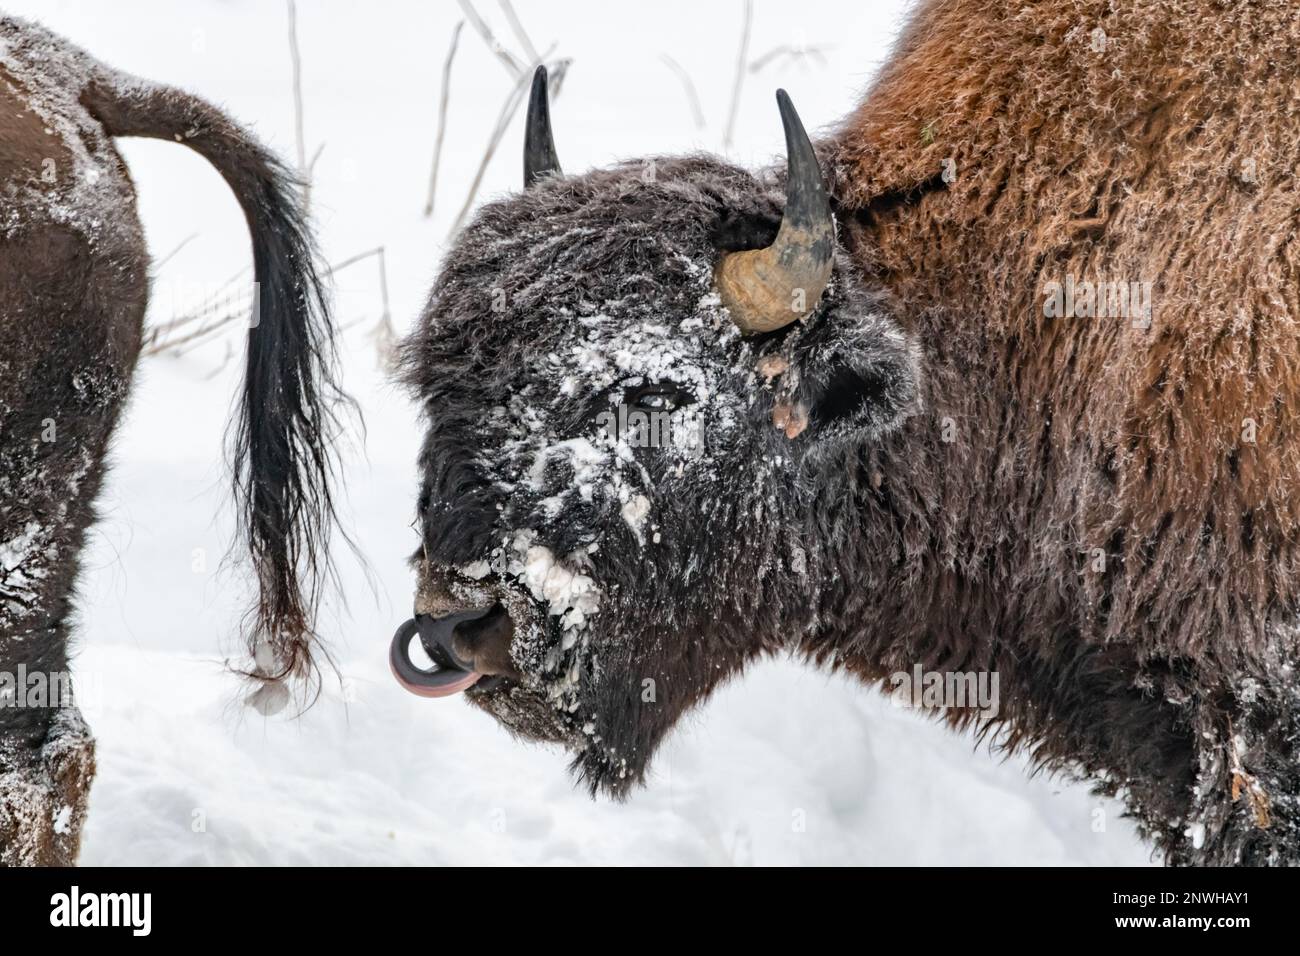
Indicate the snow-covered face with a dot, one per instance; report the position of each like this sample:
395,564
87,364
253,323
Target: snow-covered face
626,480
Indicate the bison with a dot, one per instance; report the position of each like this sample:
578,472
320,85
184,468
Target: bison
73,290
1001,378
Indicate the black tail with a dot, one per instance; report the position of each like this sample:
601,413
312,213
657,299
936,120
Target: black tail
281,442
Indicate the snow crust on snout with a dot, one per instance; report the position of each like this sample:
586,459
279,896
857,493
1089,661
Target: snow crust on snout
566,591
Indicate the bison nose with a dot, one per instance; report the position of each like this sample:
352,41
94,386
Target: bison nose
485,640
463,646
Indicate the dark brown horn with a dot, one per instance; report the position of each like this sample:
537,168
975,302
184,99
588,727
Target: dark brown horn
539,147
767,289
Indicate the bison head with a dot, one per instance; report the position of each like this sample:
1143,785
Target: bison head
637,382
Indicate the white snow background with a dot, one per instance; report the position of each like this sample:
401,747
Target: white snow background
785,766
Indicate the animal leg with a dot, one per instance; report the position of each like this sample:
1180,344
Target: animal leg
1247,806
44,791
71,310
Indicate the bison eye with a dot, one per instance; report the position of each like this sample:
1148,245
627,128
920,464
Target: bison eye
658,397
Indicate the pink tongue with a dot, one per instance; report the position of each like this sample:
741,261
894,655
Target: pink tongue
443,690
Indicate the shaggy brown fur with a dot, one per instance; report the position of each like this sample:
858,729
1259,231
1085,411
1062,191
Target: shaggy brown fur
1104,140
73,290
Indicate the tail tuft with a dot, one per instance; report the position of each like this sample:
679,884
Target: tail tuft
281,440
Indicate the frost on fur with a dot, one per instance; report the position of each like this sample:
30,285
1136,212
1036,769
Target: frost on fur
43,795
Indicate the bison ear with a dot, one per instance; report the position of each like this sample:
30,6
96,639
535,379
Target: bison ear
852,378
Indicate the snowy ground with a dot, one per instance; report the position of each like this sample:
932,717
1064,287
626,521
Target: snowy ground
833,774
